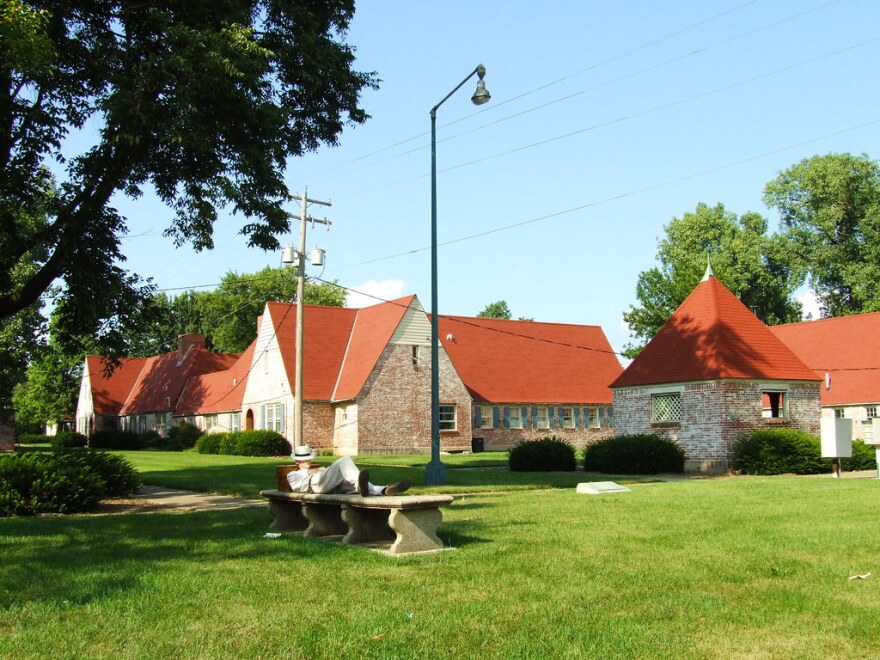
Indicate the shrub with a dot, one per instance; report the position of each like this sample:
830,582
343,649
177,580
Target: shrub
261,443
31,438
67,439
542,455
150,440
209,443
115,439
778,451
119,477
229,444
640,453
184,436
864,457
37,482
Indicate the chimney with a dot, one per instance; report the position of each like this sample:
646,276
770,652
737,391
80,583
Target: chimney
185,343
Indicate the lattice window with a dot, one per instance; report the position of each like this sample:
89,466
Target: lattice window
447,417
666,407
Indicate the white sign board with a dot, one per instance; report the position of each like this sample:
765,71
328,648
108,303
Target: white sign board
836,437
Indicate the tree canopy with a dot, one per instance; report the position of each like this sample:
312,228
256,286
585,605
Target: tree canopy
199,101
753,265
829,209
495,310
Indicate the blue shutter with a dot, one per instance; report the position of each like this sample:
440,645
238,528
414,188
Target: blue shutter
560,415
478,417
524,417
601,417
495,417
506,417
577,418
534,417
550,416
610,423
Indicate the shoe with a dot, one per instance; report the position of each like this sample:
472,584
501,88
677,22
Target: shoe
400,487
363,484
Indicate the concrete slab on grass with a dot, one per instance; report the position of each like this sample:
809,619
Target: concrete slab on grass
600,487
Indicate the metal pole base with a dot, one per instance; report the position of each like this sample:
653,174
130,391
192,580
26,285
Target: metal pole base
435,473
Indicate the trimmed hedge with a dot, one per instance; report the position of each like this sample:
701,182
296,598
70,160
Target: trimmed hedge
864,457
244,443
115,439
62,481
779,451
549,454
67,439
640,453
31,438
184,435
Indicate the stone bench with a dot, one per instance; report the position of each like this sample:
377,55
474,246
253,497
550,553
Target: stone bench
398,525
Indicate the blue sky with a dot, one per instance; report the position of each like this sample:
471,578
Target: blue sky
607,120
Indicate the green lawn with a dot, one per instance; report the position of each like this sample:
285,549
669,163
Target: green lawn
745,567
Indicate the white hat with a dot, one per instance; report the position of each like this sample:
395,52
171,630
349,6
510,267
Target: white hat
302,453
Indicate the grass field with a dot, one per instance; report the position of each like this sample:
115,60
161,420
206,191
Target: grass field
743,567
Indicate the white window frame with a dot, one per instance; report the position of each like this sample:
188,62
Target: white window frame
235,422
568,417
870,412
211,420
666,407
515,416
840,413
486,414
593,420
448,417
273,417
542,418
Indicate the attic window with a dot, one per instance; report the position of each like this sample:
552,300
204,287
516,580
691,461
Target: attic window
666,407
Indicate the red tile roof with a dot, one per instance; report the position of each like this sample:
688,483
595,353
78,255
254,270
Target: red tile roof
845,347
162,379
109,393
711,336
503,360
220,391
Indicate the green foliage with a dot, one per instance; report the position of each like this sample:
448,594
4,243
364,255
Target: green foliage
640,453
542,455
50,387
31,438
118,476
495,310
68,439
36,482
830,212
864,457
114,439
753,265
184,436
209,120
778,451
244,443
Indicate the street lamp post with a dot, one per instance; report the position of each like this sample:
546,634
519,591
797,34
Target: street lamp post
435,471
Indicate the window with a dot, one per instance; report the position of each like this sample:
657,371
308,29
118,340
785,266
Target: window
541,419
273,417
593,421
871,412
775,401
162,423
486,418
341,415
235,422
142,423
210,421
415,355
514,419
568,418
840,413
666,407
447,417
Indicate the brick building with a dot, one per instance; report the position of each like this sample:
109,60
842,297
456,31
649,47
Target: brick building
712,372
844,353
530,380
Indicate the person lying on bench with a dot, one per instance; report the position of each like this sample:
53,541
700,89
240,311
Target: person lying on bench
342,476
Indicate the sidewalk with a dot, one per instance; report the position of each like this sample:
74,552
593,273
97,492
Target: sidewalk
193,501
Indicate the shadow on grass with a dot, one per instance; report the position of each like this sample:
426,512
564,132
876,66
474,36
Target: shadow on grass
64,560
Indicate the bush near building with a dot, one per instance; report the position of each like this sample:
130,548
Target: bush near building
640,453
779,451
549,454
244,443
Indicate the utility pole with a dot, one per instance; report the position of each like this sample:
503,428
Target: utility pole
300,308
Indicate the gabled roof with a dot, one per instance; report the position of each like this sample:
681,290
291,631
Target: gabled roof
712,336
163,377
326,332
501,360
845,347
219,391
109,393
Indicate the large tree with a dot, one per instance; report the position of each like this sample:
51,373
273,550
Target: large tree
830,212
753,265
201,101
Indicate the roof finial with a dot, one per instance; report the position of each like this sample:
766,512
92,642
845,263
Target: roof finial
709,272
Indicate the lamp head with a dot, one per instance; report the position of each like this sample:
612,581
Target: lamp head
481,95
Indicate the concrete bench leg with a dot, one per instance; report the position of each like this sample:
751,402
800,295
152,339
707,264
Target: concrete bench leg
288,516
416,530
366,525
324,520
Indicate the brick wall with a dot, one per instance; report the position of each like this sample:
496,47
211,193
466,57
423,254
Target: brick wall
504,437
714,415
394,408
